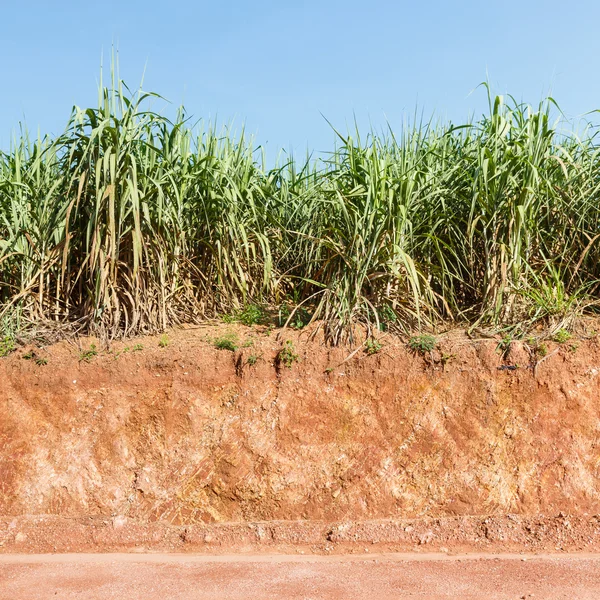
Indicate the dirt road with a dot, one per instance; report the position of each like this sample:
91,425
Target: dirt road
185,577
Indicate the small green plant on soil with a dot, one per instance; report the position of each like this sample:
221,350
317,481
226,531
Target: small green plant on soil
446,358
252,314
7,345
88,355
299,317
135,348
561,336
252,359
573,347
387,317
226,342
504,345
163,342
541,350
422,344
372,346
287,355
31,355
248,343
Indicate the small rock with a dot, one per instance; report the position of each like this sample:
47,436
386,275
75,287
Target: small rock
208,538
425,538
444,549
20,537
119,522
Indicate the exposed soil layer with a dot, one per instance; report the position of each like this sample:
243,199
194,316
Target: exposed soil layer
173,439
450,535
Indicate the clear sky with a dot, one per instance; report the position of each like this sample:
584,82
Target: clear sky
277,65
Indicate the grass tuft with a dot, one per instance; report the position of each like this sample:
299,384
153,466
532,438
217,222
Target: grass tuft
422,344
226,342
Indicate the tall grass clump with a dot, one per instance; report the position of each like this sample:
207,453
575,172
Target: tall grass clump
129,222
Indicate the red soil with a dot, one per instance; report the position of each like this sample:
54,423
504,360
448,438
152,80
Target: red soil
382,577
169,447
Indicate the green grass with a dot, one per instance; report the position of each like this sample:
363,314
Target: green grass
562,336
422,343
226,342
7,345
128,223
252,359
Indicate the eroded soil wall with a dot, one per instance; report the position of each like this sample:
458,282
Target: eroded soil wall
193,434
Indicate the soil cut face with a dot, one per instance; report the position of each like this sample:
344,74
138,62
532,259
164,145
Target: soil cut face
169,446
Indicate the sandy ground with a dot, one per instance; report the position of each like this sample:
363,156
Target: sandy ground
186,577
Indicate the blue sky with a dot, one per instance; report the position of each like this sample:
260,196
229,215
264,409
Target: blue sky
278,65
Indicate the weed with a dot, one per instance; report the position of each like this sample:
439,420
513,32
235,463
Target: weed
300,317
287,355
372,346
504,345
386,316
137,348
573,347
7,345
88,355
541,350
422,343
226,342
163,342
561,336
32,355
446,358
252,314
252,359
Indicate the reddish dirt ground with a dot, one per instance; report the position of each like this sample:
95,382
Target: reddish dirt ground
189,434
147,447
158,577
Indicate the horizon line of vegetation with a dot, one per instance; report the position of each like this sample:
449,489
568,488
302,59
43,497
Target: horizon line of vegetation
131,223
